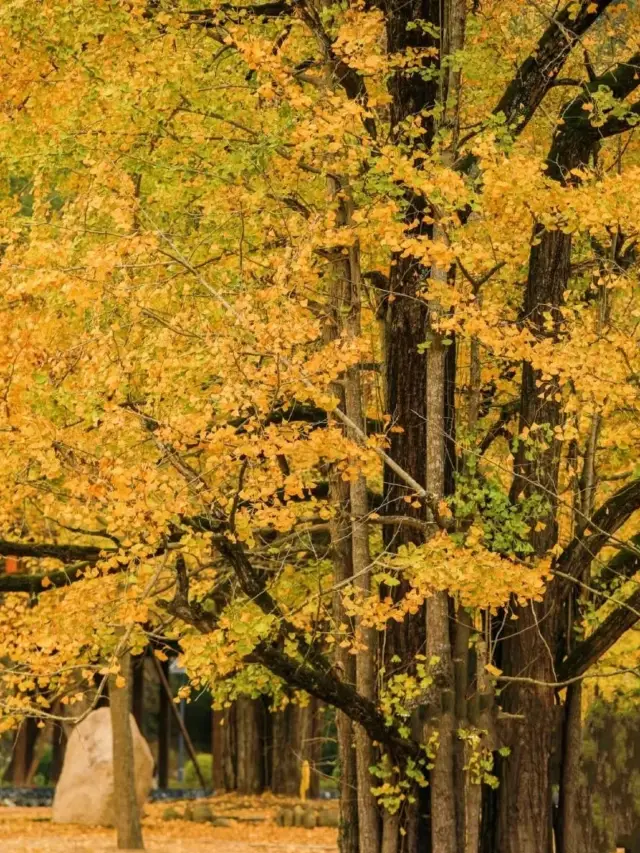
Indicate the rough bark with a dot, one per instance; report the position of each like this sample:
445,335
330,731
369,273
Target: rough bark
535,643
343,570
529,648
128,825
571,836
342,558
405,336
368,817
294,735
250,777
442,713
230,749
524,821
217,750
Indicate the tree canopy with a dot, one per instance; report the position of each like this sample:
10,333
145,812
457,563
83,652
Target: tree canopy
320,358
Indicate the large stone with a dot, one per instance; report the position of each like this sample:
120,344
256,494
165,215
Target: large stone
84,793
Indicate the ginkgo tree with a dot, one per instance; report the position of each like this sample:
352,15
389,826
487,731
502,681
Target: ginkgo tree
321,359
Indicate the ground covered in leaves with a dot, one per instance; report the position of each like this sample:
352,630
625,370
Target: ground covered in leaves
252,827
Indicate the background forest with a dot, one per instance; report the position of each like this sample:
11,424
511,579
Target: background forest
320,365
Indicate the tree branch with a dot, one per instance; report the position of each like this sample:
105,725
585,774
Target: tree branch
624,565
23,582
210,18
614,512
539,71
311,672
580,129
65,553
603,638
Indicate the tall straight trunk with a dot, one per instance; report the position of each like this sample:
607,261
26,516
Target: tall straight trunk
137,691
249,746
571,838
525,800
164,730
368,816
230,750
442,706
223,777
479,715
293,743
58,745
128,824
406,374
217,750
345,663
38,751
342,559
535,642
23,746
530,645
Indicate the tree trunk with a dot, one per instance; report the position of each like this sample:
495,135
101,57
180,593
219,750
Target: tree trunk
390,832
441,711
348,841
249,746
127,813
348,273
137,690
293,743
571,834
23,746
58,746
230,749
524,822
38,751
342,558
164,730
217,750
368,817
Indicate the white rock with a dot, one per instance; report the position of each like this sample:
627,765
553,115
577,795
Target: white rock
84,793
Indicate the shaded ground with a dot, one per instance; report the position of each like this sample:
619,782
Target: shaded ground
30,830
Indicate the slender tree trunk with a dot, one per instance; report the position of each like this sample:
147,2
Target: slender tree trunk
342,557
343,570
217,750
137,690
230,751
444,831
479,715
571,838
368,817
128,824
467,804
58,745
164,730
